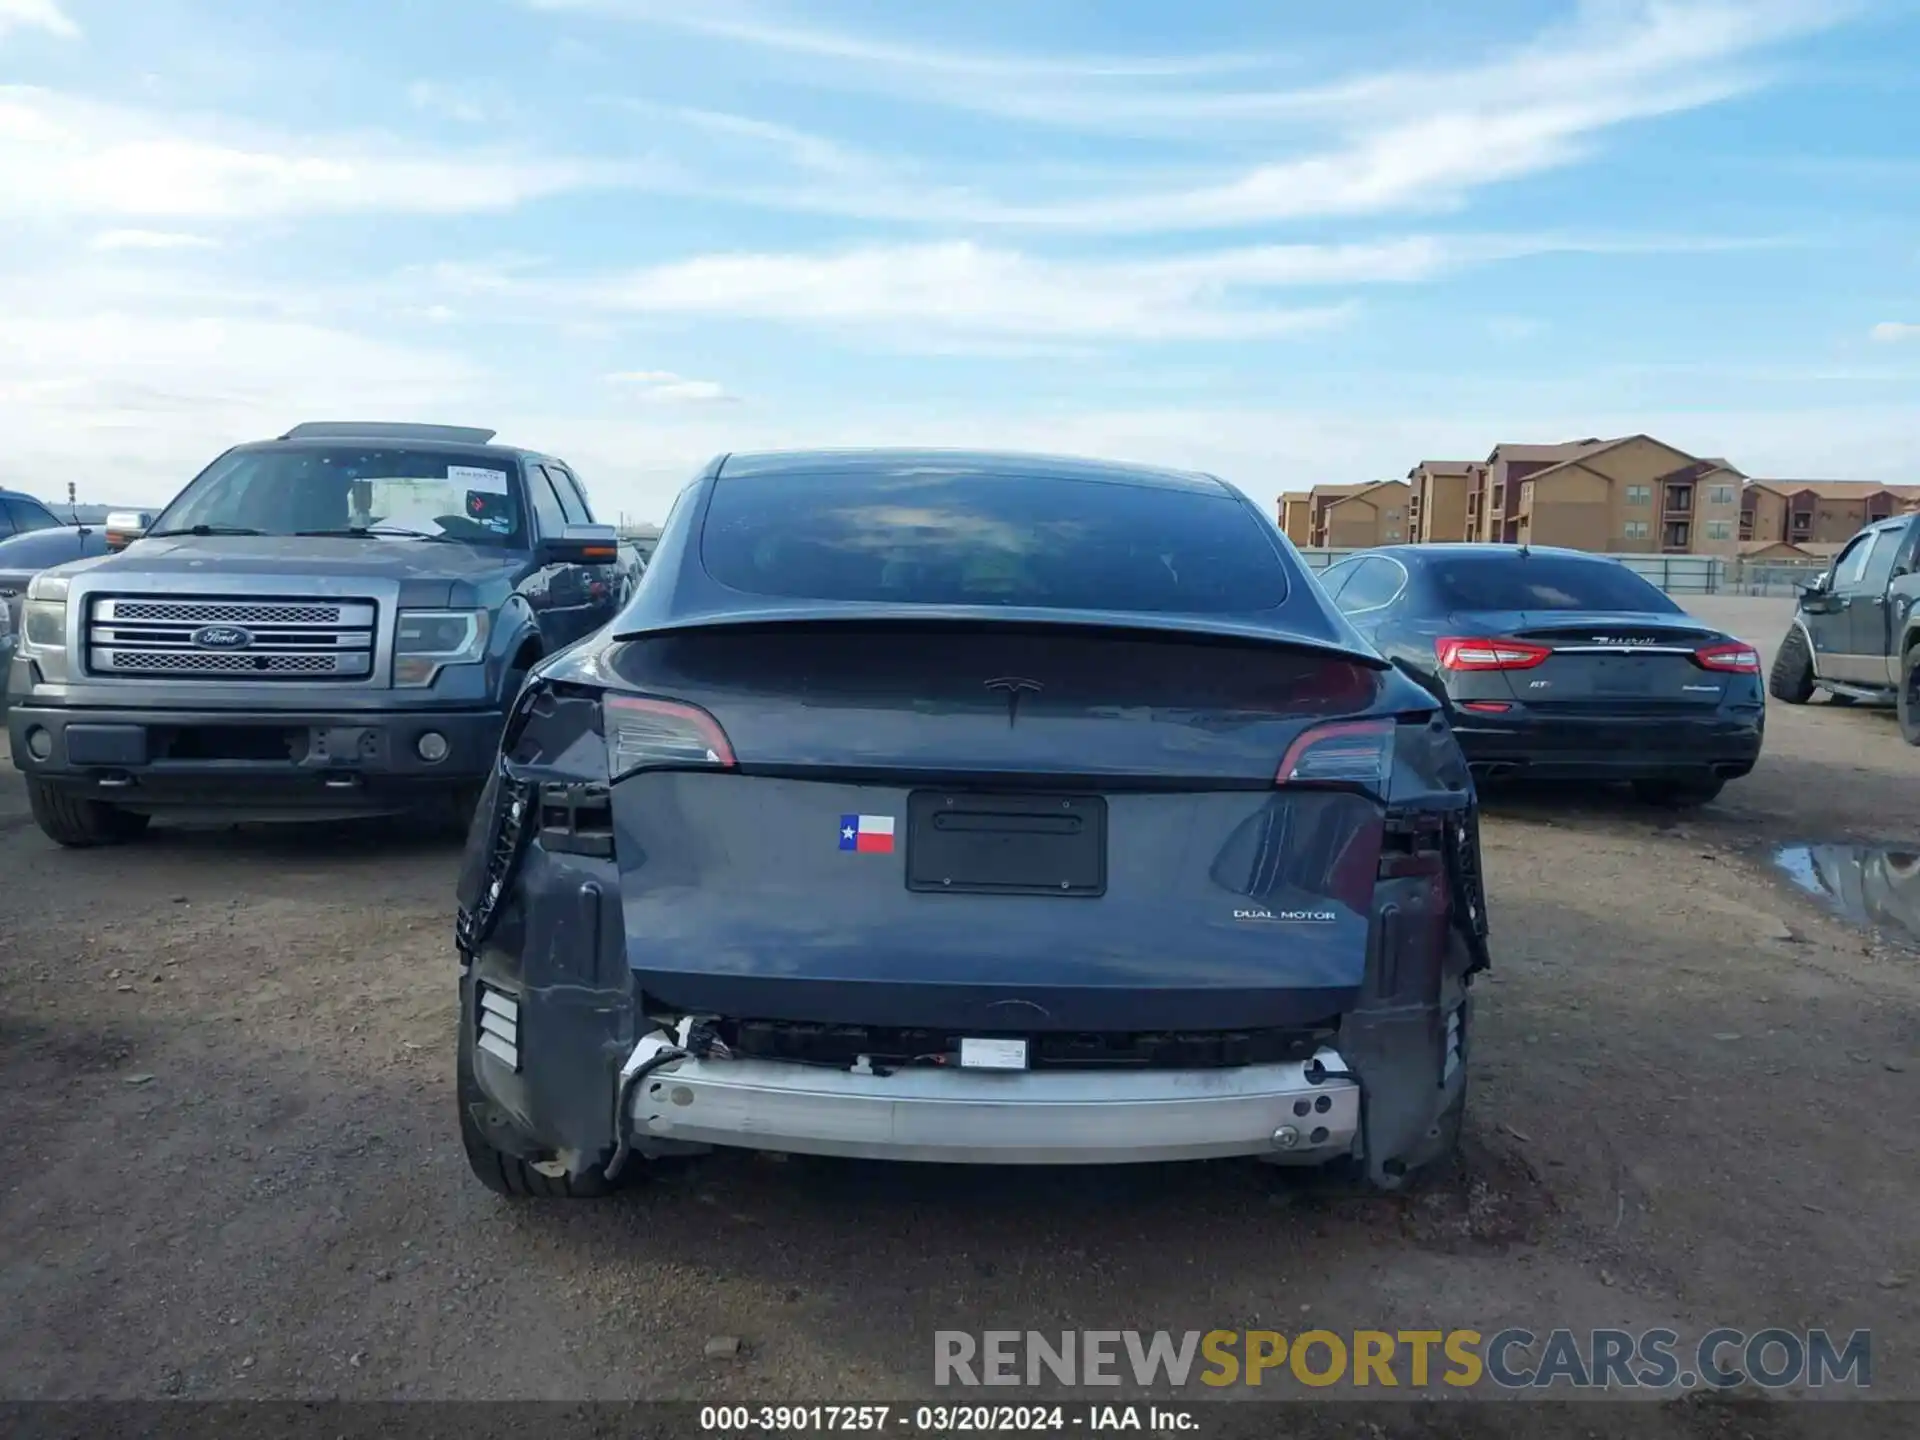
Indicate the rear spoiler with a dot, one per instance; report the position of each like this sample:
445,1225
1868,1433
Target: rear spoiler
808,612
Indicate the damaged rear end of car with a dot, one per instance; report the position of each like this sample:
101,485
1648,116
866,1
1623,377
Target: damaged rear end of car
1004,883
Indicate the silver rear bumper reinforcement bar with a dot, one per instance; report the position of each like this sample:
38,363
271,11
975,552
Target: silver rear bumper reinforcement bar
1029,1117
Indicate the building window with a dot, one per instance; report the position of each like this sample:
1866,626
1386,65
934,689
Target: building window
1639,494
1636,529
1679,497
1803,520
1720,495
1719,529
1679,535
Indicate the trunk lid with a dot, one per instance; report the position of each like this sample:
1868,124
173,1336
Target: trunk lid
997,829
1619,662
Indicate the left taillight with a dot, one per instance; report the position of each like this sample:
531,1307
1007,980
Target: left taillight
1481,652
1733,657
642,732
1340,752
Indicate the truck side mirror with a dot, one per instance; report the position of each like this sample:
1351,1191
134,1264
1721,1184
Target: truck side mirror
580,545
123,527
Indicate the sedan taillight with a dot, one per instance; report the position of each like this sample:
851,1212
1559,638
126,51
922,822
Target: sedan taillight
643,732
1473,652
1733,656
1340,752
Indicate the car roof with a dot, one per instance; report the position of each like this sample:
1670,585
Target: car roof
962,463
6,494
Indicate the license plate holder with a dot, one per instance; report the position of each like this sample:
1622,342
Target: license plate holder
1006,844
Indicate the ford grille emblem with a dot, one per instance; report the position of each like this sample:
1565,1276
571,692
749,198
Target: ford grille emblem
222,637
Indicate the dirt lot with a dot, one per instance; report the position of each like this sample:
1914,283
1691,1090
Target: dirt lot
233,1169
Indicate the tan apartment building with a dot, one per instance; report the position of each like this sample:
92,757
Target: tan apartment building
1634,495
1365,516
1630,495
1437,502
1818,512
1296,515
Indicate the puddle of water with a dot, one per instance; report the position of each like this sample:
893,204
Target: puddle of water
1871,885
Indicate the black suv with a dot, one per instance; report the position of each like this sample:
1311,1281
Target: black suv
331,623
1856,632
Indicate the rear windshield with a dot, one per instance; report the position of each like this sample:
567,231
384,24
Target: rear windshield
917,538
1542,582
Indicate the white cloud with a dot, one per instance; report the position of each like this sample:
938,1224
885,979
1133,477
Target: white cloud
109,240
1513,327
959,287
746,24
1366,143
1893,331
663,387
449,102
45,15
63,157
928,296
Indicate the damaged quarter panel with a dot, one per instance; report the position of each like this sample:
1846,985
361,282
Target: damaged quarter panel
540,921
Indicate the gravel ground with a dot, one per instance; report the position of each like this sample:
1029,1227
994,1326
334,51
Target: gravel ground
234,1171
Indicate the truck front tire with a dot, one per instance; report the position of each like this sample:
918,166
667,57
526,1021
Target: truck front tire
77,822
1907,703
1791,678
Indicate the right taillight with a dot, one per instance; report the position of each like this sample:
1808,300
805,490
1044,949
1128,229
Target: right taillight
1340,752
1478,652
642,732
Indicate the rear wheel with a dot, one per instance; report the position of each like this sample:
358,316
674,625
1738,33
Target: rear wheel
499,1171
1677,794
1791,678
77,822
1907,704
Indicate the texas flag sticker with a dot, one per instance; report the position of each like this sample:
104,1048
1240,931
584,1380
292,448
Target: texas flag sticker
869,834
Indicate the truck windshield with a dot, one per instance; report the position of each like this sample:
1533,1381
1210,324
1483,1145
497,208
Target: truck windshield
397,493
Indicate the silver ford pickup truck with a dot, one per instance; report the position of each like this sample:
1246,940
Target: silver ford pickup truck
328,624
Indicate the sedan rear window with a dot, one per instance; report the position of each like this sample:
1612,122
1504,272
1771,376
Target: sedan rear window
919,537
1542,582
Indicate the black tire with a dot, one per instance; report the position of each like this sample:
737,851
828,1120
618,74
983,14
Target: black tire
1907,701
1791,678
80,823
500,1172
1677,794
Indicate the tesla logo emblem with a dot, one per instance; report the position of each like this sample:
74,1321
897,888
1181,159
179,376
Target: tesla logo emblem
1014,687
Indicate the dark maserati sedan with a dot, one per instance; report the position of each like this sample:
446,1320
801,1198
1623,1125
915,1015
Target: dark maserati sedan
968,808
1561,665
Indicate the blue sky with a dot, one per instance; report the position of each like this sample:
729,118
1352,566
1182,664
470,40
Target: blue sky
1287,243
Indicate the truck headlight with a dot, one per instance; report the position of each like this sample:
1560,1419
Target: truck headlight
425,640
43,626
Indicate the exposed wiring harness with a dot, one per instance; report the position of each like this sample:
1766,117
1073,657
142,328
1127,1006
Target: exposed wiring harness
696,1038
623,1147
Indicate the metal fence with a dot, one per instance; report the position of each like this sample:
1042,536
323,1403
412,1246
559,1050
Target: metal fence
1680,574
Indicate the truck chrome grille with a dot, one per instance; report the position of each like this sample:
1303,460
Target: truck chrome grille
228,612
206,638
